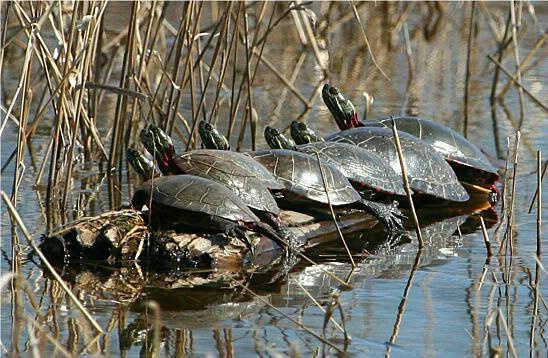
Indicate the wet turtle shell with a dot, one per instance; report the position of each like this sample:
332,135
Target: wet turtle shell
191,201
301,175
305,186
428,172
364,169
469,163
368,172
226,168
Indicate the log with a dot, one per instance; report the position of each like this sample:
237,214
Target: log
119,237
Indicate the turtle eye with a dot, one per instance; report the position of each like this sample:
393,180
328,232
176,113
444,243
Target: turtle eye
302,126
208,126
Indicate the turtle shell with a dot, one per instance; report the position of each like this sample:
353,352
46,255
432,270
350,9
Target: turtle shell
226,168
364,169
191,200
428,172
301,175
456,149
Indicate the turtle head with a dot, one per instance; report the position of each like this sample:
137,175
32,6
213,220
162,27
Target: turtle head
141,164
276,140
341,108
211,137
301,134
159,144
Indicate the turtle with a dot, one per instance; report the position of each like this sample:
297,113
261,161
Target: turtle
211,138
307,135
141,164
158,142
421,160
427,171
191,201
388,214
304,186
226,169
468,162
370,174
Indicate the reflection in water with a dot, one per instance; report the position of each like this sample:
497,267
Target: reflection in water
455,303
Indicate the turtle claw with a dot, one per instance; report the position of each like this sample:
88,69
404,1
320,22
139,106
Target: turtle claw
388,214
240,232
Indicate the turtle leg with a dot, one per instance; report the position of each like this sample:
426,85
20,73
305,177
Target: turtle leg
232,229
388,214
280,228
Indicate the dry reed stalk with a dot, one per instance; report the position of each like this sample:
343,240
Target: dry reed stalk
510,226
517,61
177,50
539,203
89,34
248,79
493,95
128,66
538,44
536,191
284,80
17,218
341,236
410,73
234,101
364,35
519,84
281,99
294,321
312,40
406,183
536,291
248,106
468,71
224,66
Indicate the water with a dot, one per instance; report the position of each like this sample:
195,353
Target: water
446,312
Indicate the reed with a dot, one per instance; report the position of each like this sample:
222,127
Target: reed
341,236
406,184
468,71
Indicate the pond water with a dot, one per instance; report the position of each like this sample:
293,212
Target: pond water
456,303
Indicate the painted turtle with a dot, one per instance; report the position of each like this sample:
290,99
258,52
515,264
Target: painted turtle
468,162
428,172
192,201
225,168
141,164
421,160
302,177
367,172
306,135
211,137
157,141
